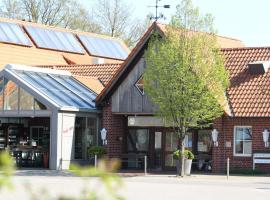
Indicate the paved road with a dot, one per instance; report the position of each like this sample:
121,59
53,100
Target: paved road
50,184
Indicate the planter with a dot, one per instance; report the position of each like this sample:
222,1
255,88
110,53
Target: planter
187,166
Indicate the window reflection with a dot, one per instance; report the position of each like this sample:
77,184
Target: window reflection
10,95
26,100
138,140
1,93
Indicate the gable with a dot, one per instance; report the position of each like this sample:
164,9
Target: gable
128,98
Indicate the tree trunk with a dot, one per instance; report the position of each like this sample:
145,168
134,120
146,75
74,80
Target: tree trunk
182,174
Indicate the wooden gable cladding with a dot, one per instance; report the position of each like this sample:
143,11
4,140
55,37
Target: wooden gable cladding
127,98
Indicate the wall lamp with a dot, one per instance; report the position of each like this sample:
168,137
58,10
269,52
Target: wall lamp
265,137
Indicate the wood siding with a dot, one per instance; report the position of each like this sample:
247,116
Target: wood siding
127,98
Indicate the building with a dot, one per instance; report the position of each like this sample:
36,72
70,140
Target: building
133,131
83,82
48,117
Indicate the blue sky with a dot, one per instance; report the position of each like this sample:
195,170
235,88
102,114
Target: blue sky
247,20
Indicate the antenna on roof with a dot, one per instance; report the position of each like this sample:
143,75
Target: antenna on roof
160,15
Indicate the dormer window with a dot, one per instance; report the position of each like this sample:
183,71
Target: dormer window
140,85
258,67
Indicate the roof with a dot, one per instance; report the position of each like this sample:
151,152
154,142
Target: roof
91,82
223,41
249,94
126,65
56,89
32,55
104,72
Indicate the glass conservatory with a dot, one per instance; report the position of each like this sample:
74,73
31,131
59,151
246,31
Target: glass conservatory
47,117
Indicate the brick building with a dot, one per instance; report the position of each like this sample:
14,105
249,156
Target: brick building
133,131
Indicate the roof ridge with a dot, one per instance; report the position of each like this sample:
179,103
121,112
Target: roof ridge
77,65
221,36
244,48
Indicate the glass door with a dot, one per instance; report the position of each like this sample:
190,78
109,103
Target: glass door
158,151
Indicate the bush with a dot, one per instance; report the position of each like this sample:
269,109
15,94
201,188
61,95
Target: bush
188,155
97,150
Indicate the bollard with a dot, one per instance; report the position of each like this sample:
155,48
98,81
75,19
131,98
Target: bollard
95,161
228,168
145,165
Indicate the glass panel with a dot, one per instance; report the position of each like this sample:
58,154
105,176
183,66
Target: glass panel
138,140
247,147
238,147
13,33
204,141
239,134
39,105
79,129
26,100
52,39
11,95
171,142
247,134
158,140
139,85
1,93
104,47
169,161
188,140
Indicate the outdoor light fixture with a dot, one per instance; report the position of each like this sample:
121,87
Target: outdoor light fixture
215,137
103,134
265,137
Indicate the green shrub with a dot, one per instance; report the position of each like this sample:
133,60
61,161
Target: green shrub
188,155
248,171
97,150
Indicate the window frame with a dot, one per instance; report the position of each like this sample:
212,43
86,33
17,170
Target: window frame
136,85
234,142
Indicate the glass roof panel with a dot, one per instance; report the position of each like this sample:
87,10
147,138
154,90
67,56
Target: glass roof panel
104,47
52,39
61,89
13,33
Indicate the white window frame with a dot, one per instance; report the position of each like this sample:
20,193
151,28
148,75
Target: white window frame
234,147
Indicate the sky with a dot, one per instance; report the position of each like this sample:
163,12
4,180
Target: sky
246,20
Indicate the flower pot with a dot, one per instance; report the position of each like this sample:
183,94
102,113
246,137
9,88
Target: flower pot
187,166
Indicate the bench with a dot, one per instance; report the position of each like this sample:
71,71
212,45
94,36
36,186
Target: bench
261,158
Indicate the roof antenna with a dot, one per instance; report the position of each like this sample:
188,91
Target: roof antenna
160,15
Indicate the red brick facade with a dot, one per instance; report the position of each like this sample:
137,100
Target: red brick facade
225,126
116,126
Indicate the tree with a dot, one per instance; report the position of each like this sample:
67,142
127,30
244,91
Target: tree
116,19
65,13
185,75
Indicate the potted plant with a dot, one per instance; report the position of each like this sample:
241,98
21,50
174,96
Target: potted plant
189,156
97,150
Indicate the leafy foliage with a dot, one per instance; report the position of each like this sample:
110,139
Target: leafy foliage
6,168
97,150
185,75
187,154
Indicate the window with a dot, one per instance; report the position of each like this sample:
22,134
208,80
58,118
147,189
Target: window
26,100
242,141
139,85
204,141
138,140
10,95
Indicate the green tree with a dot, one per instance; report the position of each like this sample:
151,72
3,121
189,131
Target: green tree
185,75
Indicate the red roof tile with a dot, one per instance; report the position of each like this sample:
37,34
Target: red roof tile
249,94
104,72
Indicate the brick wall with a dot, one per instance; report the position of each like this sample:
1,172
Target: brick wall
225,126
116,127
